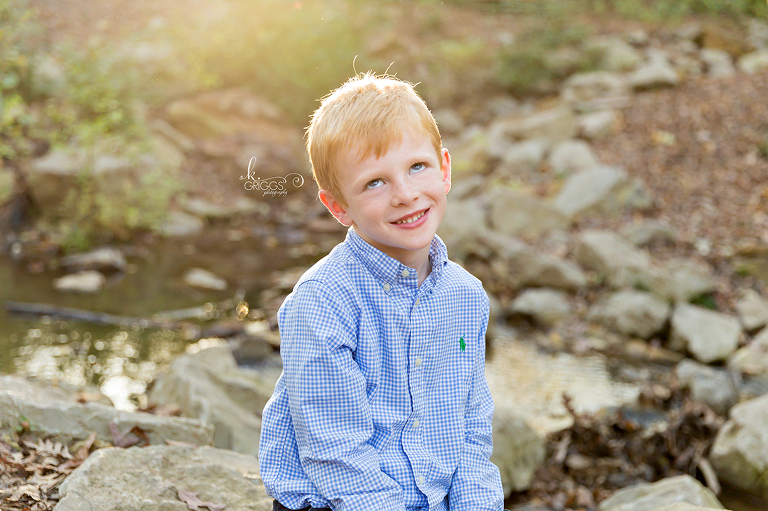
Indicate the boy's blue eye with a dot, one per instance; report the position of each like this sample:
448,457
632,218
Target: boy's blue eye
417,167
375,183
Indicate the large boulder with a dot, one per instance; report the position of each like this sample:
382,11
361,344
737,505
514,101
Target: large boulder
151,479
614,54
518,265
518,451
656,73
53,412
209,386
463,222
708,335
653,496
602,190
754,62
632,312
571,156
740,452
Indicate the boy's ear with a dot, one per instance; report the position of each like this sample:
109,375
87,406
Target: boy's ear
445,168
335,207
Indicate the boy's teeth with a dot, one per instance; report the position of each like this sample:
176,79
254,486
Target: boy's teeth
411,219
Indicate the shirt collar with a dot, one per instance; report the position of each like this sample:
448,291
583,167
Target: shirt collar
389,269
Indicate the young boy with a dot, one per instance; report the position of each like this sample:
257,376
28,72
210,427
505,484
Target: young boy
383,403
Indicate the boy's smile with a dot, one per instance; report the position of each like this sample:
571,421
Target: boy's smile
397,201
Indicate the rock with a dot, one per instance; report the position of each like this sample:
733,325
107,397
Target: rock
718,63
180,140
556,124
89,281
7,180
239,206
690,31
521,265
168,155
515,213
684,506
51,176
563,61
614,53
710,385
708,335
470,158
548,307
571,156
522,158
601,190
752,309
449,121
55,413
48,390
502,106
681,279
647,232
757,33
623,265
198,277
463,222
596,125
638,37
719,36
150,479
517,450
179,223
632,312
658,72
612,257
752,359
652,496
209,386
48,76
740,452
754,62
104,258
600,90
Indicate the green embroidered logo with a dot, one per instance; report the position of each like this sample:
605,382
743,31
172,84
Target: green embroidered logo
462,344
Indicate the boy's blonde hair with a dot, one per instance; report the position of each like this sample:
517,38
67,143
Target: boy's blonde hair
370,113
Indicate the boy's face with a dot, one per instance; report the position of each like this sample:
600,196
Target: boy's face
394,202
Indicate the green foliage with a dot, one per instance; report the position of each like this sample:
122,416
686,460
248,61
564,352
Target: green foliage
705,300
289,52
524,69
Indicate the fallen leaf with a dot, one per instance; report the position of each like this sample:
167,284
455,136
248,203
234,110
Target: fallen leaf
193,502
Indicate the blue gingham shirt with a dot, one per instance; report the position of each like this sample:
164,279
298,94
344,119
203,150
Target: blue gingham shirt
383,402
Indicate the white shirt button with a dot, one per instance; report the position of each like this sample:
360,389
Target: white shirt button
421,479
416,302
417,362
387,287
405,273
416,423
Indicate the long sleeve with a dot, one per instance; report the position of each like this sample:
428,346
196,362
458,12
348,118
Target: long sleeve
476,484
329,403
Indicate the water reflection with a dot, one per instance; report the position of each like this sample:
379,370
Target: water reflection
121,362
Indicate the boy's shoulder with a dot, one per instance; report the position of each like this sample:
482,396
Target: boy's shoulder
460,277
334,269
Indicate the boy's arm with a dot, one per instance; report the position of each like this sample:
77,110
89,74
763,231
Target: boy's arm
329,405
476,484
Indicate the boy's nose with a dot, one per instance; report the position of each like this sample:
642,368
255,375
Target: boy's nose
404,193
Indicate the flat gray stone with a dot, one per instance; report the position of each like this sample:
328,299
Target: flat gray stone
752,309
592,190
199,277
515,213
612,257
599,90
518,451
632,312
101,258
710,385
556,124
150,478
597,125
179,224
752,359
652,496
658,72
54,413
571,156
753,62
708,335
87,281
646,232
463,222
547,307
